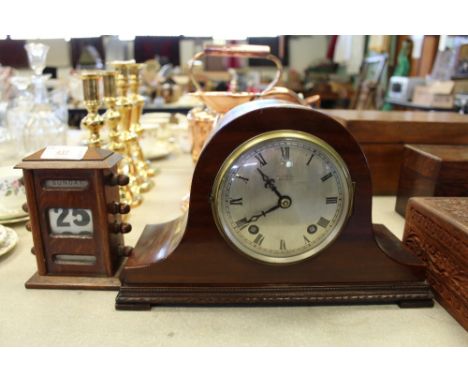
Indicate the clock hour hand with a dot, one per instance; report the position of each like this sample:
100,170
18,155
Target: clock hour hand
269,183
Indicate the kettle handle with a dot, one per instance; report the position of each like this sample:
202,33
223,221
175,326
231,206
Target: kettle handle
252,51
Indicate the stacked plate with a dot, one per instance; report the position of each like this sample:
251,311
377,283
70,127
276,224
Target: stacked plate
12,196
155,143
8,239
13,216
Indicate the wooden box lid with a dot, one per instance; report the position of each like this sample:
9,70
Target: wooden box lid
450,213
436,230
94,158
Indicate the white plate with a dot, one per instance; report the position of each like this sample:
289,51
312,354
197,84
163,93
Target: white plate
11,214
14,220
3,233
152,150
156,115
9,243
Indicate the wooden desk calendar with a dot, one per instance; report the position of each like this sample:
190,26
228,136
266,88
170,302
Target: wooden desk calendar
75,217
280,213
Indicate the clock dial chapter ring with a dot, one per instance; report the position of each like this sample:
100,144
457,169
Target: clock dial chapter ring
306,208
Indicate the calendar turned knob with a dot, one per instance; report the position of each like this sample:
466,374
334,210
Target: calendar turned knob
118,180
125,227
119,208
121,227
124,208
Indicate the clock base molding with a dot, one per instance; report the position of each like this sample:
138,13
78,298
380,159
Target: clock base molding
406,295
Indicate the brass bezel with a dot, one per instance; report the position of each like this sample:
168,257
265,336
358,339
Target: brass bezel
248,145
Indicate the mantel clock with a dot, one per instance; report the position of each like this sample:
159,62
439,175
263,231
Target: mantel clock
279,213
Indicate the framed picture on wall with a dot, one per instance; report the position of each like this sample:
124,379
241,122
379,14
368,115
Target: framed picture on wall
461,67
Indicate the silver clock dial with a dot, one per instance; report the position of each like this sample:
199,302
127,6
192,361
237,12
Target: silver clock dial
282,197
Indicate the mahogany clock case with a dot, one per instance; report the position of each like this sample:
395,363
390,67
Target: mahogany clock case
365,264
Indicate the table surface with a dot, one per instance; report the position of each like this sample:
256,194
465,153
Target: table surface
88,318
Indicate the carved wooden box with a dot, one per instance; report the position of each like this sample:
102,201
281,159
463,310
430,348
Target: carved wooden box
432,170
436,230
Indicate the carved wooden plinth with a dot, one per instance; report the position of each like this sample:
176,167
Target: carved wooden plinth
432,170
407,296
436,231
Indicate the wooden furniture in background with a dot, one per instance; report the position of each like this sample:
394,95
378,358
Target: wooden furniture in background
436,230
432,170
422,66
12,53
166,48
279,46
383,134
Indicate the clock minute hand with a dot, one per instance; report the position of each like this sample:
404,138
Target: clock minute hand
269,183
254,218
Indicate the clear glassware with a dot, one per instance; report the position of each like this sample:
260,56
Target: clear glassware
37,55
44,127
59,101
19,110
21,93
8,150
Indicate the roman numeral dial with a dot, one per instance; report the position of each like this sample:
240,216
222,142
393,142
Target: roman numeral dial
261,159
326,177
235,202
282,200
259,239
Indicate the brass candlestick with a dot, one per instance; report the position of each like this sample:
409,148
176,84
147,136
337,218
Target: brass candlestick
128,194
138,102
130,138
93,122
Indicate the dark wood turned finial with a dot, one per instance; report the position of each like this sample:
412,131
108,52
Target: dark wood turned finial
125,227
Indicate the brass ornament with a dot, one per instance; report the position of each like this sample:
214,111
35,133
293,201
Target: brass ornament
137,107
129,137
129,193
92,122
